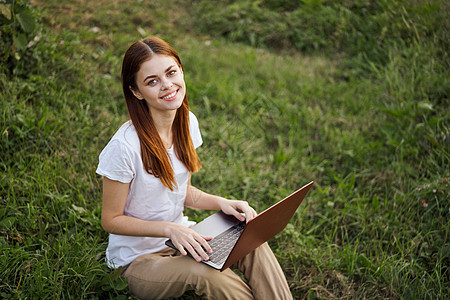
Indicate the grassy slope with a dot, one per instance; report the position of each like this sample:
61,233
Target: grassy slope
376,147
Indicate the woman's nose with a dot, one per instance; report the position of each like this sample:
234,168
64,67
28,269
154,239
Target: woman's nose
166,84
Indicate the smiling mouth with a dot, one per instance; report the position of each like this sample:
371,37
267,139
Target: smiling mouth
169,96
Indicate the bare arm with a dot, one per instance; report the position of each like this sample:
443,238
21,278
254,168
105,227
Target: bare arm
114,221
196,198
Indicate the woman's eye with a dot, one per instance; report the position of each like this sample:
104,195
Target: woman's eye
171,73
152,82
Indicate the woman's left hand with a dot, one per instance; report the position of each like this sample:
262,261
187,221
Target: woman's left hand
236,207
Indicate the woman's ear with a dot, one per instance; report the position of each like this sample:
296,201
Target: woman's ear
136,93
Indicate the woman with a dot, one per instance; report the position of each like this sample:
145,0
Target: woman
146,169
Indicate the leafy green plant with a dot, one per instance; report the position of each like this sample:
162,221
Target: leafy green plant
18,27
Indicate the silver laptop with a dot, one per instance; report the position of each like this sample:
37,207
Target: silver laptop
233,239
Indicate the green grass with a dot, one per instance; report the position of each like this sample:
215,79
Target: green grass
373,136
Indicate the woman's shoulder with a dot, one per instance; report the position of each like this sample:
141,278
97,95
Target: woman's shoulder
195,130
127,136
117,161
193,119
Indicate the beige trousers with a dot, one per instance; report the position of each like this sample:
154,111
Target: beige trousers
168,274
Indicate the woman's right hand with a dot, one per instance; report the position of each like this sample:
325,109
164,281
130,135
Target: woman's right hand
185,238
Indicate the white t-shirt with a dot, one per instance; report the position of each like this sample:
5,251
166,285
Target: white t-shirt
148,199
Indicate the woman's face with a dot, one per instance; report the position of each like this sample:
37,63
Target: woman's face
160,82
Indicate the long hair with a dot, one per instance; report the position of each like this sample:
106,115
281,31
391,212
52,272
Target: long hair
155,158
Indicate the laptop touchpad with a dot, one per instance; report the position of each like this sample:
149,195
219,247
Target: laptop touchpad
215,224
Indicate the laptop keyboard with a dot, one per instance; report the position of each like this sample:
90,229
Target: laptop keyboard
224,243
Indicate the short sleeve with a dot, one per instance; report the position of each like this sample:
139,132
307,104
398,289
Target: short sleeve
195,131
115,162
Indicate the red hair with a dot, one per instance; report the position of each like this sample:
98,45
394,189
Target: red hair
155,158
